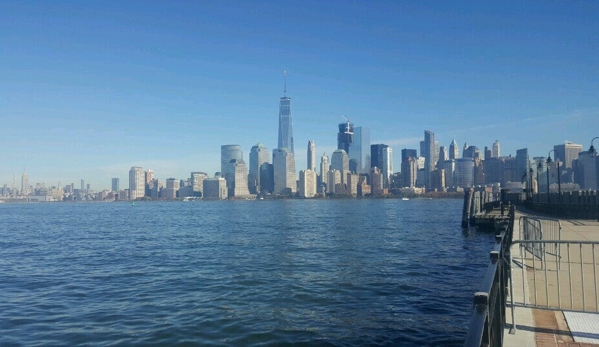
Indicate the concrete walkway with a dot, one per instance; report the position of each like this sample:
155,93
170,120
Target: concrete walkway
541,283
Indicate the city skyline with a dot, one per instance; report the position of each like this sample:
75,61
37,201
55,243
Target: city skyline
81,103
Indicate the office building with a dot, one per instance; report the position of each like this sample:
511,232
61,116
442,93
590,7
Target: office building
464,172
136,183
522,164
359,151
115,184
311,156
197,183
239,185
376,155
259,155
376,177
284,172
340,162
324,168
387,168
495,152
285,122
448,166
24,183
267,178
334,180
566,153
429,157
228,153
454,150
215,189
307,183
82,184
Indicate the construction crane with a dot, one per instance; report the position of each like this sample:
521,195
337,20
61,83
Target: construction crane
347,126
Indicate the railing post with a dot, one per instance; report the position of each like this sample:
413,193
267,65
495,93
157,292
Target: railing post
481,303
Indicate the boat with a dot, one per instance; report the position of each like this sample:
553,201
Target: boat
405,199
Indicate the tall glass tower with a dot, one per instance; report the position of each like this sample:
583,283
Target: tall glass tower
285,125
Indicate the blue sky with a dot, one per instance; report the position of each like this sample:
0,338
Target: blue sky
89,89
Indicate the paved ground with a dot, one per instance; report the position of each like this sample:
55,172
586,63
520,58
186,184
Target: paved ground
547,283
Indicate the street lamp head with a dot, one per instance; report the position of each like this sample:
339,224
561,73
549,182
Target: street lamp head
592,151
540,165
549,160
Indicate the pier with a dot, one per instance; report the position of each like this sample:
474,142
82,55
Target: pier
541,285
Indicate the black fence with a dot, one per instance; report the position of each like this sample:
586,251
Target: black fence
488,317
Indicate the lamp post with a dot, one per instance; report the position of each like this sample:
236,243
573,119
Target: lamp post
593,153
539,168
559,183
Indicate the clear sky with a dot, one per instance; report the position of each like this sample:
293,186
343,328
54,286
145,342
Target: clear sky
89,89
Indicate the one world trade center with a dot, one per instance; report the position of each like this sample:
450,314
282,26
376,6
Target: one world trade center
285,126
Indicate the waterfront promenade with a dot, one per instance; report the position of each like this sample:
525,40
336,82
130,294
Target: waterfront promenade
556,327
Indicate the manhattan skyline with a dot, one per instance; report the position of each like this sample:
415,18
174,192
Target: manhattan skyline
87,91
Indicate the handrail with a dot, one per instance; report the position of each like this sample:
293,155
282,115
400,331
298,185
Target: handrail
488,317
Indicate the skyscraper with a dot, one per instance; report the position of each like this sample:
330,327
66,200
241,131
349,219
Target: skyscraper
136,182
115,184
311,156
324,168
82,184
454,150
522,164
345,136
228,153
24,183
197,182
239,184
285,123
284,172
376,155
495,152
258,156
359,151
307,183
429,157
566,153
387,168
340,162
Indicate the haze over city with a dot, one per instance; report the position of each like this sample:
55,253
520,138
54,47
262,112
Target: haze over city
89,90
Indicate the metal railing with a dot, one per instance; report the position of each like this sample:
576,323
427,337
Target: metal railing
567,282
539,229
489,315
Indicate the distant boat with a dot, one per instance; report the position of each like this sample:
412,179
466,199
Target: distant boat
405,199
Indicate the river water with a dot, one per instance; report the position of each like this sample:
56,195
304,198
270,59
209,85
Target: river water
240,273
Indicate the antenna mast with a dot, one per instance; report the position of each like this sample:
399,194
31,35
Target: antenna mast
285,77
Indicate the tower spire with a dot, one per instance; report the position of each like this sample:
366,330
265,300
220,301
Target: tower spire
285,78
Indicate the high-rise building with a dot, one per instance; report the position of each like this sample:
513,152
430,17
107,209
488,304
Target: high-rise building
454,150
311,156
197,182
136,182
340,162
239,186
307,183
115,184
345,136
215,189
387,168
443,155
566,153
471,152
24,183
359,151
149,176
376,155
429,157
284,172
448,167
409,171
82,184
324,168
228,153
464,172
522,164
267,178
258,156
285,123
495,152
377,181
334,180
494,170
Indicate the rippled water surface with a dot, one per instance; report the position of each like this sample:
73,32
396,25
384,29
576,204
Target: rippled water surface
295,272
